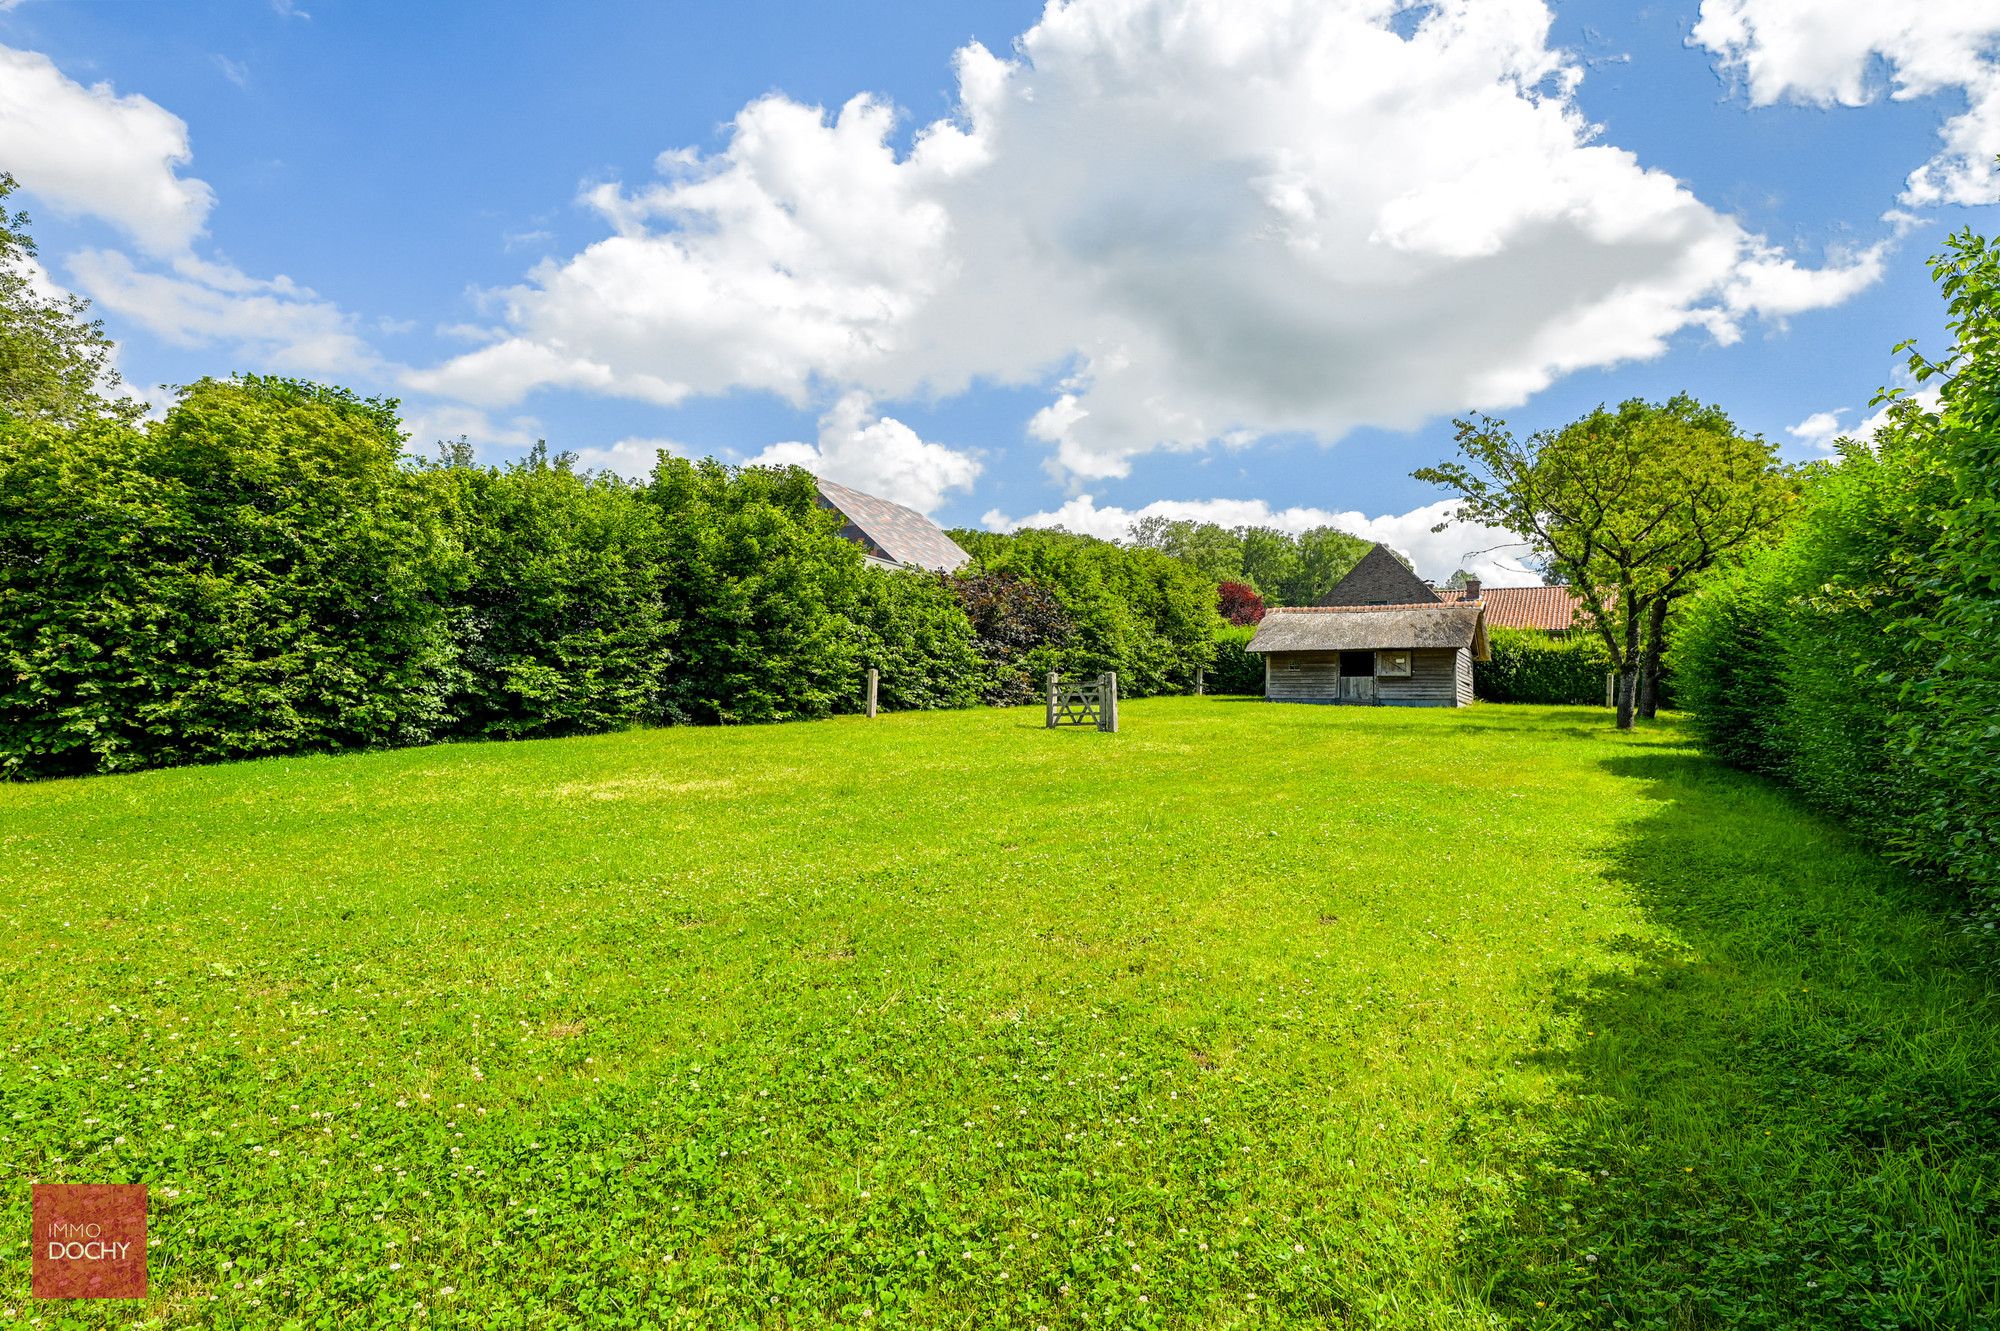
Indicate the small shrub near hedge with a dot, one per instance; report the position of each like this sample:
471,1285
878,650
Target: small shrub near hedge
1534,667
1235,669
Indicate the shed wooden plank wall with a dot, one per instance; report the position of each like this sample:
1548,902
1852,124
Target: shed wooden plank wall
1302,676
1438,678
1433,681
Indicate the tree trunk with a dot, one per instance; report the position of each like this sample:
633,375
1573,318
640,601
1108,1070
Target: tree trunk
1628,664
1649,667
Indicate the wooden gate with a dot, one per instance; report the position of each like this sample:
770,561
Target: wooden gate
1358,689
1092,703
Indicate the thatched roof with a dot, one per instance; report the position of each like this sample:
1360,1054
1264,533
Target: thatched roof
1373,628
1380,579
890,532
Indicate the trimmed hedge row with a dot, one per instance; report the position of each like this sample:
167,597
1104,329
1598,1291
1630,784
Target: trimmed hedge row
1534,667
1235,669
1860,659
264,572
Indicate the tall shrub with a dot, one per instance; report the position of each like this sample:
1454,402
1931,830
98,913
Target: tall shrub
1145,614
1020,631
1860,661
1239,603
760,585
1236,670
914,633
561,625
1533,667
254,574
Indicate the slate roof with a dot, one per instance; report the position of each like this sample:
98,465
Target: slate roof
1380,579
1551,609
891,533
1355,628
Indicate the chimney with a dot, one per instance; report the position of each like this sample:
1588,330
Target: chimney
1471,589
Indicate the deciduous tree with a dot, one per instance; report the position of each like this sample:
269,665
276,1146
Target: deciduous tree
1636,503
55,361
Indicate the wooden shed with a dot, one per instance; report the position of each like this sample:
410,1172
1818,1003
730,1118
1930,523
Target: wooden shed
1374,655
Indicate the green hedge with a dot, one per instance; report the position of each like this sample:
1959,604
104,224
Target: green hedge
1236,670
265,572
1535,667
1147,615
253,575
1860,659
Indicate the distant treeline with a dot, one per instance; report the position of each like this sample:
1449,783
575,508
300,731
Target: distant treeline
1859,658
1281,567
264,572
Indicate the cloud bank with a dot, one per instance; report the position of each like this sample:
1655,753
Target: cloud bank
1825,53
91,152
1199,220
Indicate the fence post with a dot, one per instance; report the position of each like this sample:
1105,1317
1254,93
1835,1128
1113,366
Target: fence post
1611,688
1107,702
1198,682
1052,700
874,676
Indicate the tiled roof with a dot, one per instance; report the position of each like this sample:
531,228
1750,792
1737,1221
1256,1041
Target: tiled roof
890,531
1380,579
1549,608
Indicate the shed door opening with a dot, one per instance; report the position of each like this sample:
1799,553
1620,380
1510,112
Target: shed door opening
1355,665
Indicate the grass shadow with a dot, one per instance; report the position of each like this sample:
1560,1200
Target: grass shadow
1780,1104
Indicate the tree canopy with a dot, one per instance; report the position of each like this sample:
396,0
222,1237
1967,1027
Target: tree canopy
1638,502
55,361
1282,568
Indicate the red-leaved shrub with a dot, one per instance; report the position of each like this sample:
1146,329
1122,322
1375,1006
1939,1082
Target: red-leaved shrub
1239,602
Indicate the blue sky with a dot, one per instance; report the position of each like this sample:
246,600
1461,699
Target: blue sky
1247,259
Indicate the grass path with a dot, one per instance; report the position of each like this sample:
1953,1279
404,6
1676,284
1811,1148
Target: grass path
1251,1015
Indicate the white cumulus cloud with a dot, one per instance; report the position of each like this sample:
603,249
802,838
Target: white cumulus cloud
633,458
1819,429
878,454
1203,220
1826,53
91,151
193,303
1490,553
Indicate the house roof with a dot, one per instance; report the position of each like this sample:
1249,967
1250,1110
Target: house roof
1547,608
1343,628
890,532
1380,579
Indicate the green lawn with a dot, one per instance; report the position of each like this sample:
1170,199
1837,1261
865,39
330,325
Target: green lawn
1251,1015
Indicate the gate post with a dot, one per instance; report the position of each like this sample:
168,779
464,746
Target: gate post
1052,700
1107,702
873,677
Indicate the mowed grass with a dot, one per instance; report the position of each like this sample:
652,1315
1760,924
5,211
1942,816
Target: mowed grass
1252,1015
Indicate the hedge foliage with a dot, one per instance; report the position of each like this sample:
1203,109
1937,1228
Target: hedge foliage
1147,615
1860,659
1536,667
255,574
1235,669
264,572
